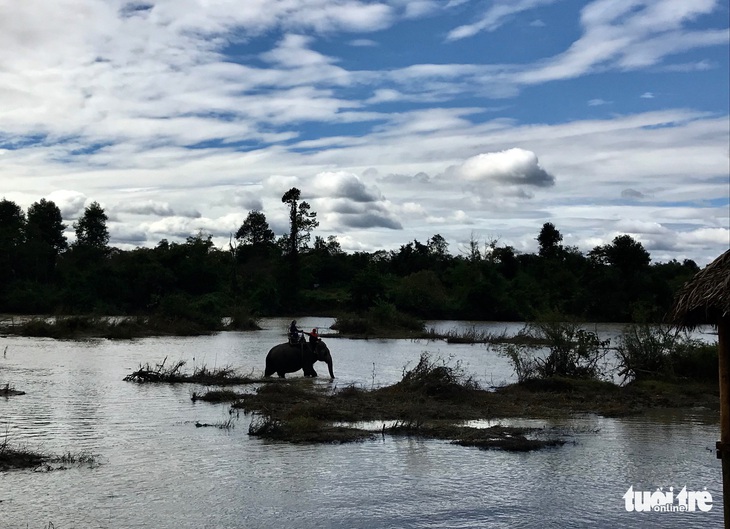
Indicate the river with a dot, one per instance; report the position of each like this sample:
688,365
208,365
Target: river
156,469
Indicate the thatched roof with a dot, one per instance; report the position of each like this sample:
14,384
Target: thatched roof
706,297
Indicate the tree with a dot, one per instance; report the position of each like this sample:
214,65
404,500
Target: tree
91,230
45,223
255,230
45,238
624,253
331,246
438,247
12,237
549,240
301,221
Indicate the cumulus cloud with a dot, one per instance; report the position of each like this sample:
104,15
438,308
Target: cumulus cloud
71,203
246,199
344,199
405,179
342,184
511,167
150,207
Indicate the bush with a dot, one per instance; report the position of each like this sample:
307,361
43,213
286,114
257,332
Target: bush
382,317
572,351
660,352
203,312
436,378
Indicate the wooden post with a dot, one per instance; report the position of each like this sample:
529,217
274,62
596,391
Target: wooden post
723,330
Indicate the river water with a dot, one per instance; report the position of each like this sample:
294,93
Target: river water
158,470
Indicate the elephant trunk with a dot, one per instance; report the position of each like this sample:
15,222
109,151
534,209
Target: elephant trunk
329,366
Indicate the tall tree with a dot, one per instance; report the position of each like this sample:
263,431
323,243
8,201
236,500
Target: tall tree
91,230
301,221
255,230
12,237
45,238
549,240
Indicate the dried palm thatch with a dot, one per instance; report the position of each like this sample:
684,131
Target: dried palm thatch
706,297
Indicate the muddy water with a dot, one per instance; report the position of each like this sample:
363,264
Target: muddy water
159,471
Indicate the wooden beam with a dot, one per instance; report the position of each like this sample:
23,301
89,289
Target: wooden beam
723,335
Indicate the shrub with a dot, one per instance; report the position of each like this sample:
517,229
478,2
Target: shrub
571,351
436,378
383,316
661,352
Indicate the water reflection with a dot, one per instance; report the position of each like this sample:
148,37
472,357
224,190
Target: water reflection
160,471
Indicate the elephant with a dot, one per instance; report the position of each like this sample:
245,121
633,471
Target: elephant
287,358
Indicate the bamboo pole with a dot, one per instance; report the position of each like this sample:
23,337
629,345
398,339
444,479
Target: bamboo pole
723,330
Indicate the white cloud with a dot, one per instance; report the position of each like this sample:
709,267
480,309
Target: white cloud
363,43
647,95
497,14
511,167
629,34
71,203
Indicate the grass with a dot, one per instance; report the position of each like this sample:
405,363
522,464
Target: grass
173,374
8,391
223,425
13,458
431,400
435,398
472,335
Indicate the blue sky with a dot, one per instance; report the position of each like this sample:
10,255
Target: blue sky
474,119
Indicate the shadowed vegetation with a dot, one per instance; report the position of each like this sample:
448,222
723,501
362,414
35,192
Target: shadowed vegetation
663,353
14,457
431,400
173,374
434,399
123,328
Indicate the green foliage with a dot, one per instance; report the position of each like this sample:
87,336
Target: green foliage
12,237
255,230
301,221
549,240
615,282
381,318
661,352
571,351
204,312
422,294
436,377
91,230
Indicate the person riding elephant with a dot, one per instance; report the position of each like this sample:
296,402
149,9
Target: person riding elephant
295,334
287,358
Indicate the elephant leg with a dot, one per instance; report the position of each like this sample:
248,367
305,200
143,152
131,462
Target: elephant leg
281,374
309,371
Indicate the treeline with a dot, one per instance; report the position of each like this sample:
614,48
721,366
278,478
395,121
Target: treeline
41,273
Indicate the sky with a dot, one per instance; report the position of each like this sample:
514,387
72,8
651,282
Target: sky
397,119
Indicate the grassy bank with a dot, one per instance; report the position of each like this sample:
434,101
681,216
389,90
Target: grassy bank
121,328
435,400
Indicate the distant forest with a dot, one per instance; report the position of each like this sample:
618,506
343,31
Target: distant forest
40,273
